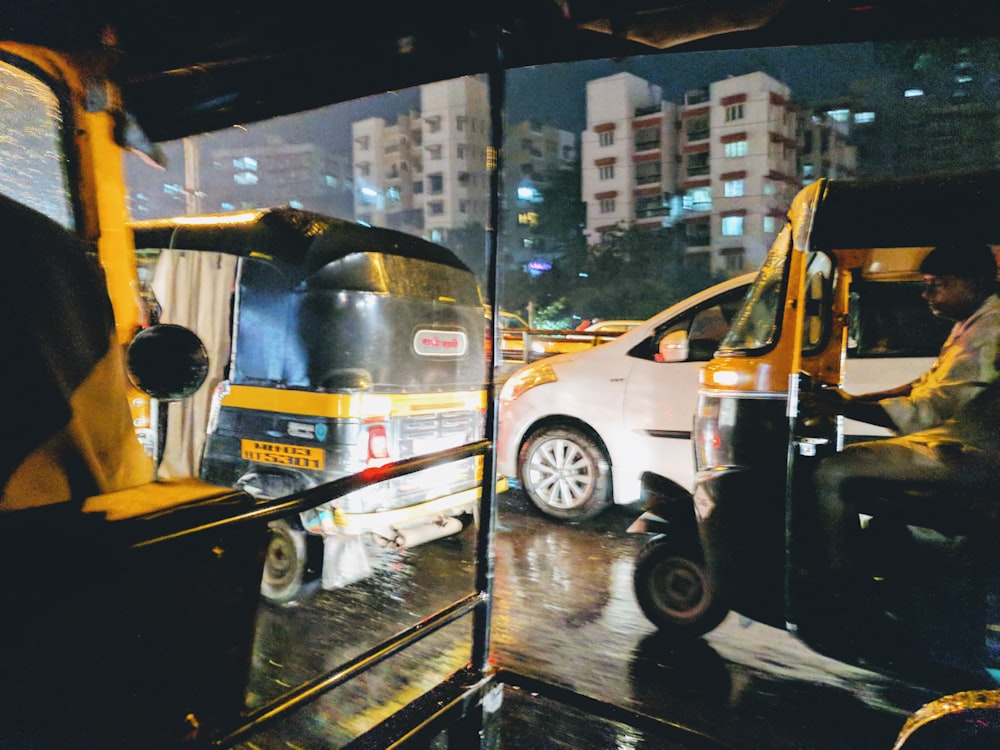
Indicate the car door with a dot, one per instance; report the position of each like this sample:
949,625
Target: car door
661,396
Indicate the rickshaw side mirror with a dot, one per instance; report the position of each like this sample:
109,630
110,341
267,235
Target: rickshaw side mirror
673,347
168,362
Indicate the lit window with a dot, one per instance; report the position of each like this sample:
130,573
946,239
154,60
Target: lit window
245,178
392,194
698,199
840,115
910,93
770,224
863,117
769,188
245,163
732,226
735,149
733,188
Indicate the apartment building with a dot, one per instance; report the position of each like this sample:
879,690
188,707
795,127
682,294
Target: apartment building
535,155
723,165
426,173
628,162
213,173
823,148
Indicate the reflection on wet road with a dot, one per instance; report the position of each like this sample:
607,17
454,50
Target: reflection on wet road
565,612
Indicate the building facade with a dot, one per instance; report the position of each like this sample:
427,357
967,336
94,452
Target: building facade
628,162
426,174
722,166
536,157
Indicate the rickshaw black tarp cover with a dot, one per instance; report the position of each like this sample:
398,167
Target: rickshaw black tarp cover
326,304
918,212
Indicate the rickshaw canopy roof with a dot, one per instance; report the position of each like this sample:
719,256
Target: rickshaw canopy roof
187,66
918,212
302,241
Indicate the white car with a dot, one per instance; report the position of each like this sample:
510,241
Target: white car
577,430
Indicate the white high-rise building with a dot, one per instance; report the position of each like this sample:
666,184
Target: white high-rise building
627,155
723,164
426,173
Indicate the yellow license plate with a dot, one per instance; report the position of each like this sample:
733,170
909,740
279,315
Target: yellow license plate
282,454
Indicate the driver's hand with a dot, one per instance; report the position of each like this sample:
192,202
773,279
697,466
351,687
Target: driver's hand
827,402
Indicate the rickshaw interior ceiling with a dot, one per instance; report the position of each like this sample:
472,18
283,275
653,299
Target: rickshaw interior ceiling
188,67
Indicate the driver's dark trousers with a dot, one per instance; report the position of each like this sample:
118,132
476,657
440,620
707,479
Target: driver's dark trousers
855,481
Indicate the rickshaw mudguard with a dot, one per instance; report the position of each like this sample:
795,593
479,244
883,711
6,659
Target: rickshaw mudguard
667,508
129,630
969,720
741,523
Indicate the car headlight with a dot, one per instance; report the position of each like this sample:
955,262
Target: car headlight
526,379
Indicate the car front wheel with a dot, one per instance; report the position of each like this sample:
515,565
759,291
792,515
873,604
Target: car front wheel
565,473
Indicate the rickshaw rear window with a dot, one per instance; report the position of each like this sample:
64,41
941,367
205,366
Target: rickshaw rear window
31,150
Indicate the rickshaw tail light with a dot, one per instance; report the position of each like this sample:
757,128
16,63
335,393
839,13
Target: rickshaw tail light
378,445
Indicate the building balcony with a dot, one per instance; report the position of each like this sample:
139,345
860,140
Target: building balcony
651,213
649,179
647,145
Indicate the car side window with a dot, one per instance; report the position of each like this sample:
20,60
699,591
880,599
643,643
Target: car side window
699,330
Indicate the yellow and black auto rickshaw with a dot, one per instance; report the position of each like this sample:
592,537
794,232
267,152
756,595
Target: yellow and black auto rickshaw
741,542
351,347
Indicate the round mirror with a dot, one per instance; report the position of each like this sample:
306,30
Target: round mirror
169,362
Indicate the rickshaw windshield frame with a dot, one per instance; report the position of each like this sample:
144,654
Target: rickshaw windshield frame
757,324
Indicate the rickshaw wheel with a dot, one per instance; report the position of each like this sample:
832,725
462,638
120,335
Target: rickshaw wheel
674,590
286,564
565,473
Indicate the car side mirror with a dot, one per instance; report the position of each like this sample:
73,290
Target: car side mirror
168,362
673,347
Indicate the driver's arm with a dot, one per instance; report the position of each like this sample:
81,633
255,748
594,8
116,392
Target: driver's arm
864,408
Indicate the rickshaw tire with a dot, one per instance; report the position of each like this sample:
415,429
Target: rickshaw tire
674,590
289,573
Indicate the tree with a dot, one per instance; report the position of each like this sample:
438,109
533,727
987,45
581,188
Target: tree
635,273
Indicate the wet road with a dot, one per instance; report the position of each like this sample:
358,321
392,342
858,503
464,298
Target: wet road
565,613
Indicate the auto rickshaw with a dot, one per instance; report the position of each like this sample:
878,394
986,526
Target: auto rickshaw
742,540
351,346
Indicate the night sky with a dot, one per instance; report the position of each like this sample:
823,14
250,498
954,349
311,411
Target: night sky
555,94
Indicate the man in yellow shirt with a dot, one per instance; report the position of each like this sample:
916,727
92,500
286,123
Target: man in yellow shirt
927,415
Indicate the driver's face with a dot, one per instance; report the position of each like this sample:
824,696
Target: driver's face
952,297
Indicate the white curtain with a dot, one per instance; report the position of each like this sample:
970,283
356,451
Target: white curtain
194,289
